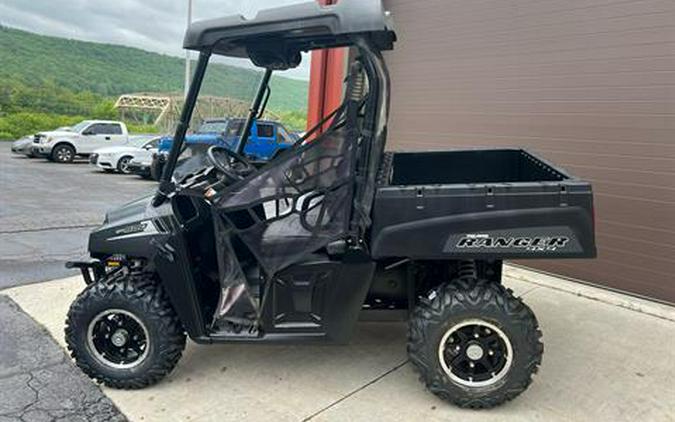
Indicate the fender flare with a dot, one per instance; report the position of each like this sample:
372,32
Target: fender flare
122,155
66,141
278,152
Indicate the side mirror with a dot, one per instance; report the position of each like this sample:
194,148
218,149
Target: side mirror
87,133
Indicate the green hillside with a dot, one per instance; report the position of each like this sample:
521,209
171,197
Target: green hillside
57,76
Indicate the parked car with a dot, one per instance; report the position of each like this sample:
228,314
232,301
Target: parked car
23,146
117,158
82,139
267,139
141,161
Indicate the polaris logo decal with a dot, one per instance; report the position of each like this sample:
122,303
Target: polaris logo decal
133,228
534,243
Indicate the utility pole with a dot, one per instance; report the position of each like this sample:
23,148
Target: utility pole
187,52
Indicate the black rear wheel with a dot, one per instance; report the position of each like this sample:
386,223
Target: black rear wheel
474,343
124,332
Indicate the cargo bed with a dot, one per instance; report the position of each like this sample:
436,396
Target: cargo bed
480,204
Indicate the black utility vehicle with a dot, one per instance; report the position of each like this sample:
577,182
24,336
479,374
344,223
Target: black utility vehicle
333,229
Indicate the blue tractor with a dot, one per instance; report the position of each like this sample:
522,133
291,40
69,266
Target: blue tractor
268,138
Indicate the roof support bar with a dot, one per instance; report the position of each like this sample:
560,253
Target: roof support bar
254,111
165,184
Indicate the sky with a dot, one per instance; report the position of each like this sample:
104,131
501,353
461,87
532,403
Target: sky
154,25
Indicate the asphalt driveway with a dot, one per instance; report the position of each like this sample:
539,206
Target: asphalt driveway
47,211
38,382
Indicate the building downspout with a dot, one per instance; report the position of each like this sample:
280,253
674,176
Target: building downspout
327,72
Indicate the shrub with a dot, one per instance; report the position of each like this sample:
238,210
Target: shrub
293,120
16,125
134,128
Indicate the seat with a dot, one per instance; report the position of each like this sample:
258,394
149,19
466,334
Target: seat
302,200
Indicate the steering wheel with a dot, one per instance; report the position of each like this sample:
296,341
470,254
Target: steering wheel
232,165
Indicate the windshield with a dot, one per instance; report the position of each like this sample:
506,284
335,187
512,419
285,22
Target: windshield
222,108
212,127
140,141
78,127
235,127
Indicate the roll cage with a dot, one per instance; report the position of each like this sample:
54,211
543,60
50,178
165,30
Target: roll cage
274,40
316,194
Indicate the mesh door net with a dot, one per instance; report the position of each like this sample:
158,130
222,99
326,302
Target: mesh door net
299,203
288,210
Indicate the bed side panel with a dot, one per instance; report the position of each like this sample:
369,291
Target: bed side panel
537,220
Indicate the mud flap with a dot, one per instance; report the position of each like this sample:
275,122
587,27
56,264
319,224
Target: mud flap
173,266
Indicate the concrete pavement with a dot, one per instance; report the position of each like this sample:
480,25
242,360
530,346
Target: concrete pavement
608,357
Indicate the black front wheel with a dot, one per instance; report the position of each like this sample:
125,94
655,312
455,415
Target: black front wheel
124,333
474,343
63,153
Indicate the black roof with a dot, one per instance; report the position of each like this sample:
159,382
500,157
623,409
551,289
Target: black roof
291,29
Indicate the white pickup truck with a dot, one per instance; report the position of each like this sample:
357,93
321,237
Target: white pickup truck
80,140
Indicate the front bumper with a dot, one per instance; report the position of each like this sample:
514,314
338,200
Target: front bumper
101,162
41,150
92,270
139,168
24,150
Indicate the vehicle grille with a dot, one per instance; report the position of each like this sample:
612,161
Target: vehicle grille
36,139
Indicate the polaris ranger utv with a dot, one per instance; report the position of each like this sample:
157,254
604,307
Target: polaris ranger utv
333,229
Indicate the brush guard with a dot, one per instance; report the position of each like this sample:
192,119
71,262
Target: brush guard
92,270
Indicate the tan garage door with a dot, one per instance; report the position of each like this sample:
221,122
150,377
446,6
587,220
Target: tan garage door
587,84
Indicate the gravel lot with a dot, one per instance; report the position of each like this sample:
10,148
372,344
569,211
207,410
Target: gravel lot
47,211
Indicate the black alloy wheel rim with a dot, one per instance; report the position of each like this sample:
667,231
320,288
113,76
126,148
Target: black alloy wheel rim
475,353
118,339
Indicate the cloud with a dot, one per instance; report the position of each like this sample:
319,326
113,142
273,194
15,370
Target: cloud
155,25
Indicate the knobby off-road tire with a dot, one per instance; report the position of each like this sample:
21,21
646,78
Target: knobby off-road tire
143,307
492,314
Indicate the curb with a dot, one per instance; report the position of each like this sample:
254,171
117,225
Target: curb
582,289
